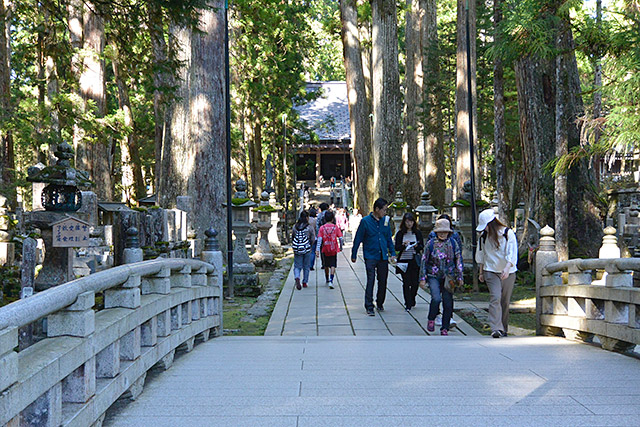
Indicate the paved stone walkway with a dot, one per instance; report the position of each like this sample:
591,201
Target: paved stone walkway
320,311
390,381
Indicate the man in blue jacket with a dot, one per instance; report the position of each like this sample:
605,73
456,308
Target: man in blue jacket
375,235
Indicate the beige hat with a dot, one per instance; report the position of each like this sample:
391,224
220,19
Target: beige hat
442,226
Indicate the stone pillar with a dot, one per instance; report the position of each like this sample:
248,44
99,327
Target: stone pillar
518,221
36,190
213,256
6,246
609,247
546,255
77,320
274,238
8,358
128,294
263,255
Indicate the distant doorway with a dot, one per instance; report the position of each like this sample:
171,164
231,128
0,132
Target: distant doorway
335,165
306,167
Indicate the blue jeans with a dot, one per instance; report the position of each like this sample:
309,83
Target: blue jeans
381,267
440,294
302,262
313,250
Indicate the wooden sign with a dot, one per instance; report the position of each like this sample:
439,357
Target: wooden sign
70,233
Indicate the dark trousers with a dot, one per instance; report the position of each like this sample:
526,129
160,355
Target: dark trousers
381,268
410,284
440,294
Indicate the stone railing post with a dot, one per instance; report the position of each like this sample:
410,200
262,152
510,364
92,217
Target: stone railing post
213,255
546,255
8,358
128,295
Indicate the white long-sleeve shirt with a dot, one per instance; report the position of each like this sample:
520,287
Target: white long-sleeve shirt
495,259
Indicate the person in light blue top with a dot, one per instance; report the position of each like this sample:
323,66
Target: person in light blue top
374,233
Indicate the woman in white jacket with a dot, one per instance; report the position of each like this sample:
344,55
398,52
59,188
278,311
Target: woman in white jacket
497,257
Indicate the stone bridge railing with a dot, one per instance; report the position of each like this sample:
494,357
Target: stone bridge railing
90,358
573,301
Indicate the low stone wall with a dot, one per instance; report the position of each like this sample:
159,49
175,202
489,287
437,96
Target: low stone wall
586,307
89,359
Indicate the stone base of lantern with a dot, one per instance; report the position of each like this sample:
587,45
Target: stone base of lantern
246,285
263,259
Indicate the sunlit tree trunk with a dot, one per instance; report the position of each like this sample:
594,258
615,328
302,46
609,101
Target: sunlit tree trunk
161,81
176,164
94,156
435,173
207,183
499,126
463,160
364,29
358,106
414,156
387,143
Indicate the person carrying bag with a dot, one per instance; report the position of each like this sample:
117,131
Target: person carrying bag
442,269
409,244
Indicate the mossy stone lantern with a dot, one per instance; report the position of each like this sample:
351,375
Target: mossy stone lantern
61,193
425,214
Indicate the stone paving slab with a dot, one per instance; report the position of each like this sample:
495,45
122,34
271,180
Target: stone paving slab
345,305
381,381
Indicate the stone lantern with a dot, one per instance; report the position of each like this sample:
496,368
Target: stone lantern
60,197
425,213
399,207
245,279
263,255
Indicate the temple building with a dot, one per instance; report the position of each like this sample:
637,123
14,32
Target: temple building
328,117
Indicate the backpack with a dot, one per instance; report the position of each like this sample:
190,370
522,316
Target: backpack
300,243
330,240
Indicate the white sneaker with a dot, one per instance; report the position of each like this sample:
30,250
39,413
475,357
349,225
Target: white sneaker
330,282
452,324
439,320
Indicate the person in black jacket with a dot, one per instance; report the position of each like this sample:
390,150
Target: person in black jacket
409,245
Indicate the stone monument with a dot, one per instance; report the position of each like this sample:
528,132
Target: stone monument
274,238
425,213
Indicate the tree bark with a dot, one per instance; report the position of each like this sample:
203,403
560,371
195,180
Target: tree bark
387,143
358,106
176,166
499,125
207,182
435,172
254,141
463,161
536,106
414,156
161,80
7,161
94,156
364,28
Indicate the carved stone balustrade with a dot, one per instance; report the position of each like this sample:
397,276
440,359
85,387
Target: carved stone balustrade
582,308
91,358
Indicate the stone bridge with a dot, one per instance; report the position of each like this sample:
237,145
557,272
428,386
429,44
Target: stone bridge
395,376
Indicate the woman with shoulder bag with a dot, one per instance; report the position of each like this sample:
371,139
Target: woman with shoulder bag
442,269
497,257
409,244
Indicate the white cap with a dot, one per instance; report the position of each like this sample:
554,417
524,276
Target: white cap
485,217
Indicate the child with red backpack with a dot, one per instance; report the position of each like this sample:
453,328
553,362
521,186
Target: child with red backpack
330,243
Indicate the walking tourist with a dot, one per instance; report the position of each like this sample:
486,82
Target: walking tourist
313,214
330,243
303,239
409,244
332,184
442,270
458,240
341,220
320,221
374,234
497,257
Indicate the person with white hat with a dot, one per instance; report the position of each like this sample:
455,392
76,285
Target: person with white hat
497,257
441,265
